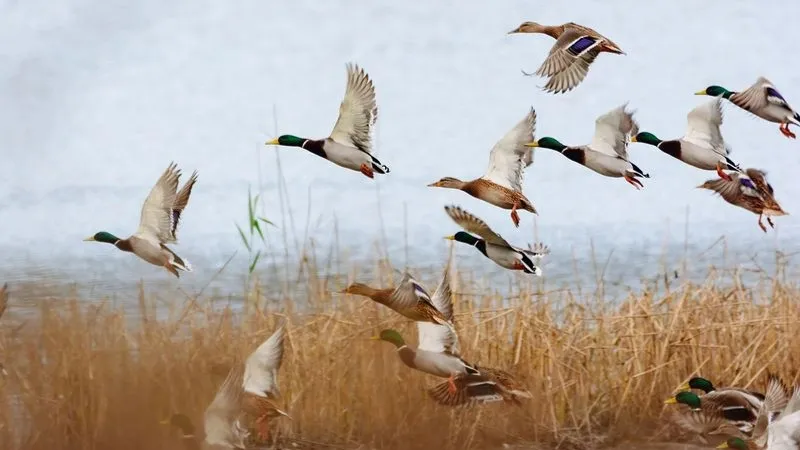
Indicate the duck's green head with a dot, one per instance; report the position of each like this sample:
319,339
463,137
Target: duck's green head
646,138
182,422
464,237
699,383
715,91
735,443
390,336
287,140
103,236
687,398
547,142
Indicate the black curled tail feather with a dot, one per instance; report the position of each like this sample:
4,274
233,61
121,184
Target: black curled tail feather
377,166
732,165
639,171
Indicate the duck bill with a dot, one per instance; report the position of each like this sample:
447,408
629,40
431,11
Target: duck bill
703,92
272,142
89,239
723,445
532,144
514,31
375,338
684,387
164,422
670,401
633,138
450,238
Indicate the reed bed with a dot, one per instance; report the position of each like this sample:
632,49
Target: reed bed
93,376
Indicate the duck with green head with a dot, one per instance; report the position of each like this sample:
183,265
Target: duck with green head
492,245
763,100
438,354
736,407
158,224
501,185
350,142
607,154
702,146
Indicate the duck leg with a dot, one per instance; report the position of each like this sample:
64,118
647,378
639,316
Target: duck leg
514,215
763,228
634,182
366,169
722,174
262,428
451,385
769,221
786,131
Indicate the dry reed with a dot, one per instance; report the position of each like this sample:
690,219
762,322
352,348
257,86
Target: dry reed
95,377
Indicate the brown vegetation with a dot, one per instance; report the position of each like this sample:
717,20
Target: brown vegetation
84,376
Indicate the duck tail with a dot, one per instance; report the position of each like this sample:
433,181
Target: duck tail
796,119
468,392
377,166
639,172
732,165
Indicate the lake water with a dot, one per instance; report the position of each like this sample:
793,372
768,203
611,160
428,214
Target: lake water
99,96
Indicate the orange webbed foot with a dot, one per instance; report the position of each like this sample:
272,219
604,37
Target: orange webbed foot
367,171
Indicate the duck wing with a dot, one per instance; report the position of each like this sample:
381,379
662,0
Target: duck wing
440,338
473,224
509,156
408,294
569,59
704,124
261,367
760,95
158,221
358,111
611,132
222,413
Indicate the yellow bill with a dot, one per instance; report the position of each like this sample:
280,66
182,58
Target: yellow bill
532,144
670,401
450,238
703,92
272,142
89,239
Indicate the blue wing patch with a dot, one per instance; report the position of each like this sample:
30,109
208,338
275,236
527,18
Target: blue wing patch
775,97
581,45
746,182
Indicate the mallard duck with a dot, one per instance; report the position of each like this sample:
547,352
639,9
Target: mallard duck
492,245
763,100
734,410
223,429
608,152
350,142
575,50
750,191
260,382
409,299
708,423
158,224
502,184
702,146
438,354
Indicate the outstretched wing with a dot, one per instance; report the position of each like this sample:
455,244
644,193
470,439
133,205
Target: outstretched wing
569,59
440,338
611,132
261,367
157,220
473,224
358,111
408,294
509,156
704,124
222,413
760,95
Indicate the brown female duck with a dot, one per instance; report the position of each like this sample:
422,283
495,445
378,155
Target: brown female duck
501,185
575,50
409,299
750,191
